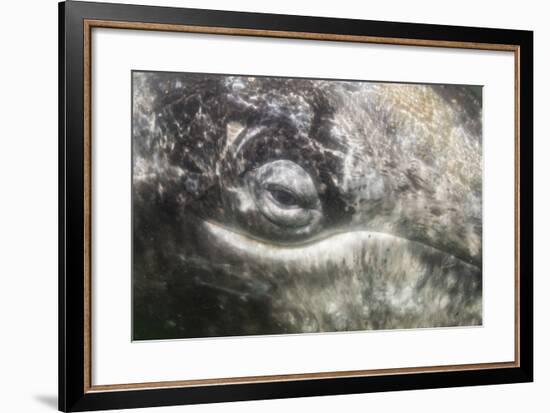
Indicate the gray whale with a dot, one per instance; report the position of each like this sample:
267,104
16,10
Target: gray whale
275,205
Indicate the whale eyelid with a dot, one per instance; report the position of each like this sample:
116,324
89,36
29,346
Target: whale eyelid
298,183
280,187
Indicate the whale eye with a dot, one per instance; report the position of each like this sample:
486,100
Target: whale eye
285,194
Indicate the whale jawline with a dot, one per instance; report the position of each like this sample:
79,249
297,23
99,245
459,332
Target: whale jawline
289,251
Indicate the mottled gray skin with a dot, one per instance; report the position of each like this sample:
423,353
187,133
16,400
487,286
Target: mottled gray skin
268,206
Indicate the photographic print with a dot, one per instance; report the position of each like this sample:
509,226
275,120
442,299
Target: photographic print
271,205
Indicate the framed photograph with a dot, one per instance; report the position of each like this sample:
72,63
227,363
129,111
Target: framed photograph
258,206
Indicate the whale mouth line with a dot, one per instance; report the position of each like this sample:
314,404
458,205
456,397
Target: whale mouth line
234,237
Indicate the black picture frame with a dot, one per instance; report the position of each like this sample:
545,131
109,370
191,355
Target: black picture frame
75,394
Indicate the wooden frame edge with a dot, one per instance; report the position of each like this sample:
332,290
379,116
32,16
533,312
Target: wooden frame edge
87,208
182,28
517,255
296,377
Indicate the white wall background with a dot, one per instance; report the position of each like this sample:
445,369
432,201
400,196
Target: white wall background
28,208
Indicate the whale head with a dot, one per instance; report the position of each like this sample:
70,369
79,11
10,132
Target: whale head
275,205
